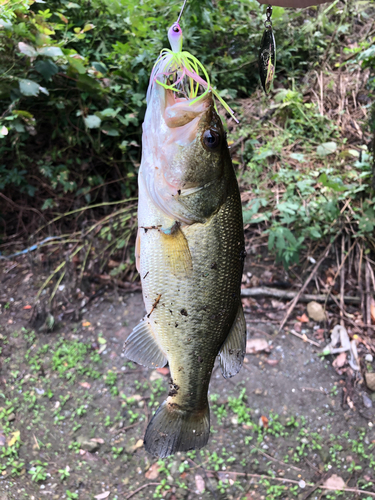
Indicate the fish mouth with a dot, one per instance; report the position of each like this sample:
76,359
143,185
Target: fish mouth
180,111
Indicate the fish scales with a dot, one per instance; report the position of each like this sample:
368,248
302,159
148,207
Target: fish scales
208,298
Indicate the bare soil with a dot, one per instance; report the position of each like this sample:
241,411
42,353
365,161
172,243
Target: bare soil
279,428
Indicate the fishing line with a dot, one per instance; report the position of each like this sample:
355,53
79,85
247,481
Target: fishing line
181,11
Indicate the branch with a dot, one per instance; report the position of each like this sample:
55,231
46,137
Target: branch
283,294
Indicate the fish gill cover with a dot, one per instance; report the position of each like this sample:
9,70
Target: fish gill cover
183,73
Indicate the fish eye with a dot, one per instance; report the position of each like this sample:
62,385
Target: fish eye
211,139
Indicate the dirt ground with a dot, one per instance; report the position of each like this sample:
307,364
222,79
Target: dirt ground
73,412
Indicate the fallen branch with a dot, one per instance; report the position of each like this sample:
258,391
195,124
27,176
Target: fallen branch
284,294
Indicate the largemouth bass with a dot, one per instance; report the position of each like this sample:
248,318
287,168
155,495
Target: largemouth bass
190,252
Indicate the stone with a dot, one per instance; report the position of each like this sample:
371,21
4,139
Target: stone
86,444
316,311
370,380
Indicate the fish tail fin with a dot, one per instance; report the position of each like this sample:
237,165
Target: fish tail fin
172,429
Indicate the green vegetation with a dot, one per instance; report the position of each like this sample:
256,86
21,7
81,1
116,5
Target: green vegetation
73,82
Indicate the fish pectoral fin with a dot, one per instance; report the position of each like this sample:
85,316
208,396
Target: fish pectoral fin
234,348
138,251
142,347
177,250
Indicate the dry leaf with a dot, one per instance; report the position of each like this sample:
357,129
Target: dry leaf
153,471
102,495
86,323
256,345
15,437
340,361
163,371
277,304
97,440
303,318
372,310
272,362
138,444
199,483
334,482
263,421
86,385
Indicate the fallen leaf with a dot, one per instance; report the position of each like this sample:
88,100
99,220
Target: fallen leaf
272,362
256,345
340,361
15,437
86,323
199,483
153,471
27,307
334,482
303,318
102,495
163,371
372,310
97,440
138,444
86,385
263,421
277,304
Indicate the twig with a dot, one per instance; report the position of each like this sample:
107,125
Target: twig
342,280
360,287
275,460
284,294
368,294
304,338
304,286
139,489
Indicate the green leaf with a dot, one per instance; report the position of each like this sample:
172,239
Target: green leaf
77,65
331,183
327,148
28,50
50,51
98,66
88,84
30,88
92,121
110,131
47,69
298,156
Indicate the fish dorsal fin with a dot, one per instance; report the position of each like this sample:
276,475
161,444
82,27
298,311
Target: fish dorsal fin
142,347
177,250
233,350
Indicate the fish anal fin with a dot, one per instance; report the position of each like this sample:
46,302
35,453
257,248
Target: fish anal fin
142,347
177,250
174,429
233,350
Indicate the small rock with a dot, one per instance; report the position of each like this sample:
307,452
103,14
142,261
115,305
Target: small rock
370,380
366,400
11,417
316,311
369,358
88,445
